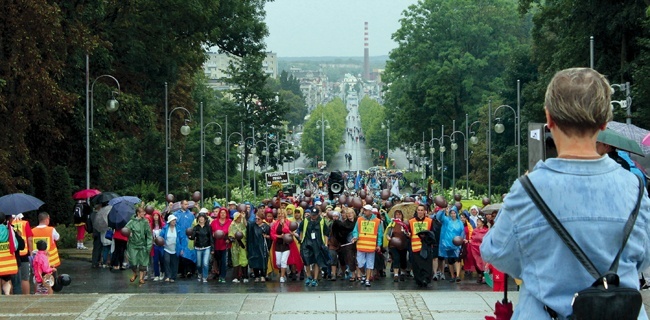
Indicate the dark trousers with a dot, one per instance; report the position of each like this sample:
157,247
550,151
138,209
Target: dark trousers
158,257
118,255
399,259
186,266
221,257
171,265
97,248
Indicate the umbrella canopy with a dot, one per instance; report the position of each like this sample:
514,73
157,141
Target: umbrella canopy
101,218
646,140
103,197
408,210
130,199
120,214
491,208
16,203
610,137
632,132
85,194
177,205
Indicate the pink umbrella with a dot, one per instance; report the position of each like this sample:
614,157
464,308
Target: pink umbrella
646,140
85,194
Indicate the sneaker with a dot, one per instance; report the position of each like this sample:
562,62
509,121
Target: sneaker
82,248
314,283
308,281
156,278
146,277
171,280
367,283
645,286
235,280
457,279
221,280
199,279
395,278
435,277
452,279
282,280
166,279
205,280
246,280
442,276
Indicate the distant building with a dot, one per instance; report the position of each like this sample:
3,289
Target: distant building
217,63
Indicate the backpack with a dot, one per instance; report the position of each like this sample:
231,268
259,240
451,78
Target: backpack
78,215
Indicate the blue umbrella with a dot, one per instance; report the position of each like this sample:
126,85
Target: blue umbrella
128,199
120,214
16,203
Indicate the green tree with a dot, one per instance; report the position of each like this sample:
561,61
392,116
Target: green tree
335,113
61,203
41,182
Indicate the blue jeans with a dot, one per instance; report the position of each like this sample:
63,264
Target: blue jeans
203,261
221,256
106,253
171,265
158,257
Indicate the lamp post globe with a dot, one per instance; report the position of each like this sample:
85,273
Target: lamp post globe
454,146
112,105
185,130
473,140
443,149
432,150
217,141
499,128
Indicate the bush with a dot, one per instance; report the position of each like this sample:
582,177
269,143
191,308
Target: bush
68,236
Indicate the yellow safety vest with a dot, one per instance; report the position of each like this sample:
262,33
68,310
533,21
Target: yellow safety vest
418,226
8,264
45,234
368,231
20,225
304,230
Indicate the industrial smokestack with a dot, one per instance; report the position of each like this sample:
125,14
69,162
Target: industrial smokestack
366,55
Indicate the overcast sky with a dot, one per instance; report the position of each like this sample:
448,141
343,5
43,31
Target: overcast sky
315,28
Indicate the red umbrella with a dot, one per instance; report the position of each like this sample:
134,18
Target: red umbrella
502,309
85,194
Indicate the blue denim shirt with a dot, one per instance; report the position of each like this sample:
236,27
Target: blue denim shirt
592,199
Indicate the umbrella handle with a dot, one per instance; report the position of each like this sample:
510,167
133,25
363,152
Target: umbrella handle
505,288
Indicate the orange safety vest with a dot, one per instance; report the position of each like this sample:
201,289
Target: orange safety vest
368,231
8,264
45,234
20,225
417,226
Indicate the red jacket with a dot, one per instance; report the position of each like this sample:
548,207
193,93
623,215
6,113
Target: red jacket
220,244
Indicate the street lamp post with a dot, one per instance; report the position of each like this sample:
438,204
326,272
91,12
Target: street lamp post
111,106
624,104
499,128
216,141
387,127
185,130
228,141
321,124
471,139
442,157
454,147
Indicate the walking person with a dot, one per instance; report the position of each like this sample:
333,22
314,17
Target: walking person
258,247
175,242
368,234
220,225
157,224
313,237
451,227
139,244
187,262
204,246
422,257
237,235
284,254
398,228
24,268
592,197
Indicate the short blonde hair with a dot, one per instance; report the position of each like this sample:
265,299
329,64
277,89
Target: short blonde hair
579,101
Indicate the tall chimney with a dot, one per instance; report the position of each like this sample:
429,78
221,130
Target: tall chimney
366,56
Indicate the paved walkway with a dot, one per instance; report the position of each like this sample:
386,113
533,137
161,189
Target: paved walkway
360,156
380,305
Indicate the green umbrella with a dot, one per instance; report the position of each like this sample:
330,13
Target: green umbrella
610,137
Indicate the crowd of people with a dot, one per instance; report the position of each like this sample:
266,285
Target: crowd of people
291,240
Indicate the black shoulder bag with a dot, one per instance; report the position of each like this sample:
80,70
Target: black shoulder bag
604,299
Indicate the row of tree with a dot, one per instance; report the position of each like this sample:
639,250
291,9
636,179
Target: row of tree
455,56
325,126
156,51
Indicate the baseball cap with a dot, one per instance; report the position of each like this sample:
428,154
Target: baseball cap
367,207
203,210
232,202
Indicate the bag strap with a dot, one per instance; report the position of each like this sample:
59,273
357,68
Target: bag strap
566,237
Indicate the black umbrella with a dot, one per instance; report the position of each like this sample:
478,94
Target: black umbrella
16,203
103,197
120,214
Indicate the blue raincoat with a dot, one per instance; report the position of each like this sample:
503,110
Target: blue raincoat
450,229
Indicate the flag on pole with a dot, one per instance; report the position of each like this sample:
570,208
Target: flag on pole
395,189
